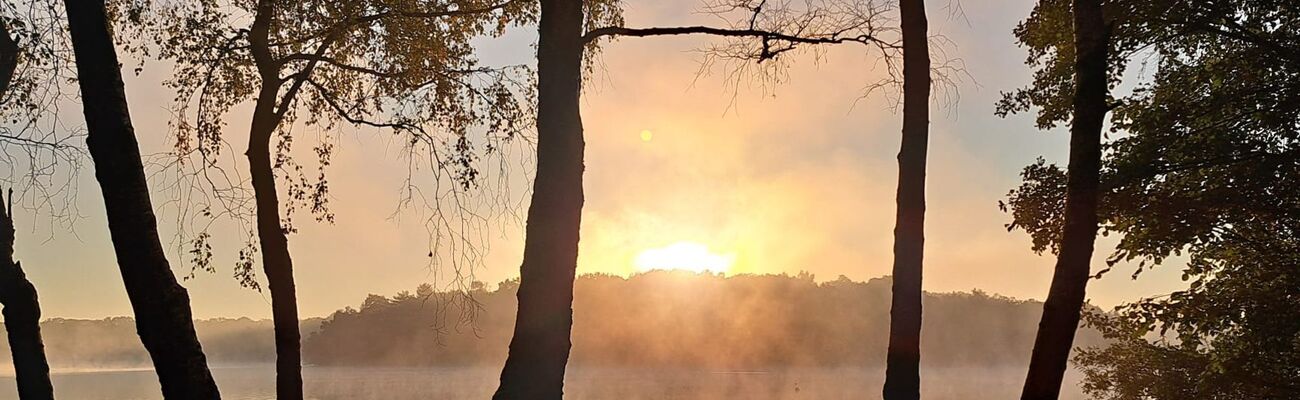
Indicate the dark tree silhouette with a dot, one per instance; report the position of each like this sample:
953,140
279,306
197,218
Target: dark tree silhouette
22,312
903,370
1205,167
8,57
22,309
161,305
405,66
275,243
1065,298
539,349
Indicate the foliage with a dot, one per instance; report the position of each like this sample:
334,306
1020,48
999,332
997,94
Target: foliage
400,65
1204,163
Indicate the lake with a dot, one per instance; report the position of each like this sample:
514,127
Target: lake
331,383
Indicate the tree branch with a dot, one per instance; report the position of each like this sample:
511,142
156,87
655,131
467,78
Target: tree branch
324,94
707,30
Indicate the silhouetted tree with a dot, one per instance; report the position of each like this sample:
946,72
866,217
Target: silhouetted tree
1205,167
539,349
22,312
22,309
8,57
161,305
902,373
406,66
1065,298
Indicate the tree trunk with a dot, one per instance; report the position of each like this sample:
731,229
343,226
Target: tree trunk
902,371
1065,298
8,58
22,312
161,305
22,309
539,349
276,262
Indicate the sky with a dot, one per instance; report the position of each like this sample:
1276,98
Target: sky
794,177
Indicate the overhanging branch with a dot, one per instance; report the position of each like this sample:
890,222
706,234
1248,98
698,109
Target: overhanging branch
785,42
707,30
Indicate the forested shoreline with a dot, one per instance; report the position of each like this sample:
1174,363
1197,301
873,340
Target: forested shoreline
726,323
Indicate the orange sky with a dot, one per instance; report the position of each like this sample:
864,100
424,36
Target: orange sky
800,178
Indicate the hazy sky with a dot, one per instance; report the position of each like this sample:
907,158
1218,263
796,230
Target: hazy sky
798,178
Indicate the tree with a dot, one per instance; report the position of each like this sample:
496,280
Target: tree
8,57
539,348
161,305
22,313
1089,105
22,309
1206,167
902,373
406,66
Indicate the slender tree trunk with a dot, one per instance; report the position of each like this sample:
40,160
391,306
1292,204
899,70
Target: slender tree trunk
276,262
22,309
1065,298
903,369
161,305
22,312
539,349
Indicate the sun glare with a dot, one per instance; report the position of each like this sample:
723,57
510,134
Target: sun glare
686,256
646,135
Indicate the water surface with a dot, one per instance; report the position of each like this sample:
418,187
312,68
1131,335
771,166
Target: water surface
331,383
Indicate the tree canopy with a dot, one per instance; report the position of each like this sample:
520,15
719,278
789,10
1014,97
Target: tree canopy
405,66
1203,162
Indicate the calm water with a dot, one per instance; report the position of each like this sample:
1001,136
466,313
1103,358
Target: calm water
258,383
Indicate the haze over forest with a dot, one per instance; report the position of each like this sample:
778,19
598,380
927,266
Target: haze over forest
659,319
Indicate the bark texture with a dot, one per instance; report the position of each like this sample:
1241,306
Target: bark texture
902,371
539,349
1065,297
161,305
22,313
276,261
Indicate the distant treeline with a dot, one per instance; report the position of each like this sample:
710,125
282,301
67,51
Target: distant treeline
656,319
679,319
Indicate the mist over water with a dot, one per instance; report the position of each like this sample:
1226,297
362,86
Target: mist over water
655,335
353,383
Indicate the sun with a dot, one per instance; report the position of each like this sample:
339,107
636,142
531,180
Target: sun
686,256
646,135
